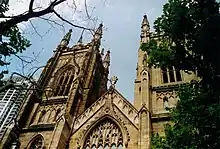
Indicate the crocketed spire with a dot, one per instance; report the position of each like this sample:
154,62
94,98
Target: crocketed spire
145,29
66,39
98,34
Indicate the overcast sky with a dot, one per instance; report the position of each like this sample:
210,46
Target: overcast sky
121,19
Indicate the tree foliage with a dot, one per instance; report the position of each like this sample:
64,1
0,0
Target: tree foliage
196,120
191,37
190,32
11,40
11,43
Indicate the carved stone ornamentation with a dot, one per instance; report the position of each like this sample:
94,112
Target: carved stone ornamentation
168,94
113,81
106,133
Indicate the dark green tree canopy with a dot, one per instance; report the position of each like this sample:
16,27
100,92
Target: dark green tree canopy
191,37
190,34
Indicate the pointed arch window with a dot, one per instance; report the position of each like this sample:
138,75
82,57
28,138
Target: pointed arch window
37,143
170,75
64,83
106,135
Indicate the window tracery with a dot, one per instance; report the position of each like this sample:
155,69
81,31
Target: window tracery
106,135
64,83
37,143
170,75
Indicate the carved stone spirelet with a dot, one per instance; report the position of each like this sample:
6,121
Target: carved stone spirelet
113,81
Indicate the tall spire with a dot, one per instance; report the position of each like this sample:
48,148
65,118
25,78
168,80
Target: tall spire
145,29
142,83
98,33
106,61
66,39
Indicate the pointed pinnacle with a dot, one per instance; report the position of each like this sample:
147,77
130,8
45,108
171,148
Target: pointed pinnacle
145,20
67,36
99,29
107,56
81,37
98,33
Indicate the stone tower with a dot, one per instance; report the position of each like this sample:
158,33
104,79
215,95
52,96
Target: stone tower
155,89
72,80
72,108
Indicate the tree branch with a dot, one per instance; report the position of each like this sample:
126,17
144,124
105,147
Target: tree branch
23,18
5,25
60,17
35,30
31,6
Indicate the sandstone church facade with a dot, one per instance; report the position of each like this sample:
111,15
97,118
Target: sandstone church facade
74,109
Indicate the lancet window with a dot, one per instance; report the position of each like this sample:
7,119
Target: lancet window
64,83
42,116
170,74
37,143
106,135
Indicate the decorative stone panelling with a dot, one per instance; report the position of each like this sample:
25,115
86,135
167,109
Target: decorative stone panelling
165,99
48,113
168,94
127,109
89,112
79,57
102,114
104,109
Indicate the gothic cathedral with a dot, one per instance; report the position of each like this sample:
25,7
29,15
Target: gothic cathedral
72,107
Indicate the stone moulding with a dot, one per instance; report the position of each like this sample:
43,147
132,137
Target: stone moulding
93,124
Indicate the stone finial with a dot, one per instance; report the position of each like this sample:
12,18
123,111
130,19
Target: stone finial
99,29
106,61
66,39
145,20
98,33
81,38
113,81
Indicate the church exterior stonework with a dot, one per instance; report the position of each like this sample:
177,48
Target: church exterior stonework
72,108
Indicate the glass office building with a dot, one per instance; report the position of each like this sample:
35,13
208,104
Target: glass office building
11,102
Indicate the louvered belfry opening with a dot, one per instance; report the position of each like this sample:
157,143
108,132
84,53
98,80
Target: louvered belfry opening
170,75
64,83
